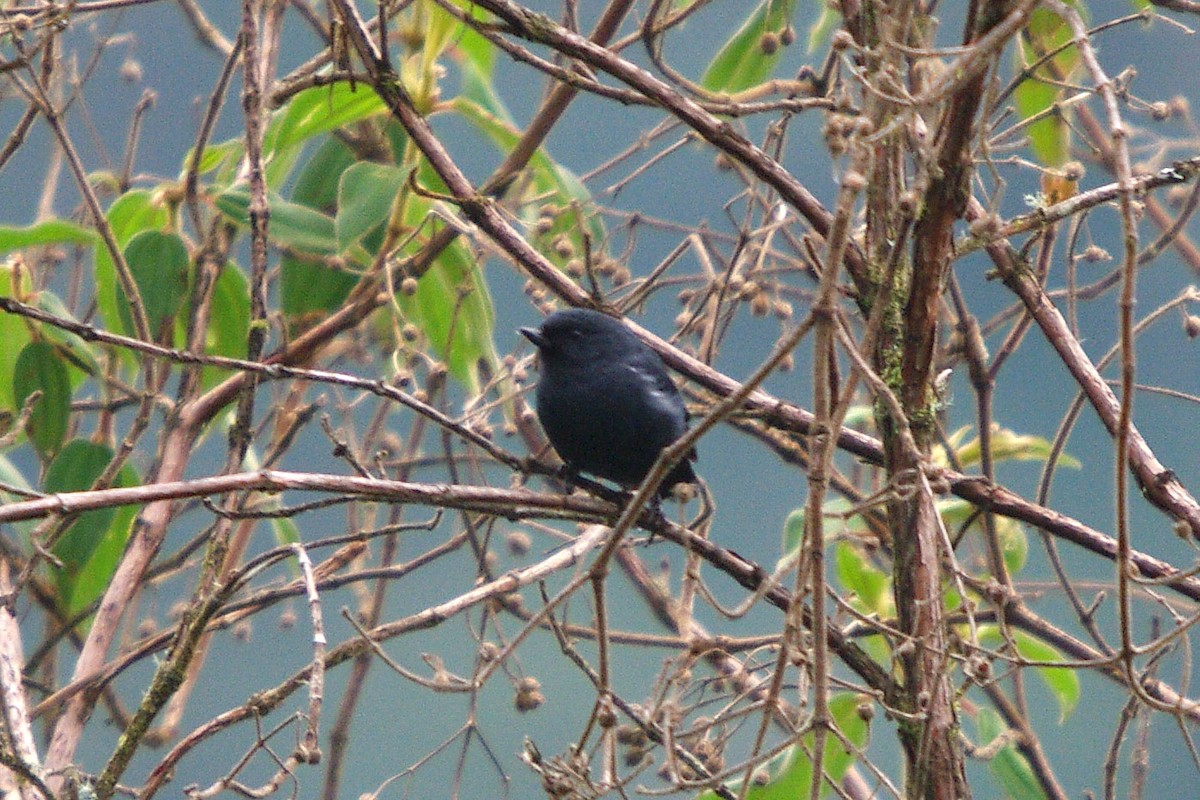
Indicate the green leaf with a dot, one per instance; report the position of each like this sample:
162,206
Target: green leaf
568,190
292,225
476,58
14,332
92,546
307,286
793,533
75,469
40,368
440,29
317,184
744,61
52,231
1050,136
475,54
836,521
318,110
453,308
1008,445
819,31
1014,544
230,314
1062,682
92,580
955,512
159,263
366,193
229,323
78,356
857,575
790,774
131,213
286,531
12,477
1011,769
215,155
451,304
552,184
860,418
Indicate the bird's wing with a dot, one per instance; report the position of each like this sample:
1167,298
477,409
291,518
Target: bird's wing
665,406
662,394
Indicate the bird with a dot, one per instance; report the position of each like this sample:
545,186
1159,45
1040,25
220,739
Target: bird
606,400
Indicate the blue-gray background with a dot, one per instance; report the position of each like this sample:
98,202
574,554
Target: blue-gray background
399,721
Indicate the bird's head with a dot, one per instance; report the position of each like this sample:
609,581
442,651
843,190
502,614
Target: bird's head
580,335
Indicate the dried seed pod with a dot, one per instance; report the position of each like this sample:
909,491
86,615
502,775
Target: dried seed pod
518,542
529,694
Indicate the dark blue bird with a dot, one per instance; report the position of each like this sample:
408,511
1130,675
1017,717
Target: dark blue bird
605,399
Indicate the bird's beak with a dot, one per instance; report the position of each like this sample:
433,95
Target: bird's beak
534,335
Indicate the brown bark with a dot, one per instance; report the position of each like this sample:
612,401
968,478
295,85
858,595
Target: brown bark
937,193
